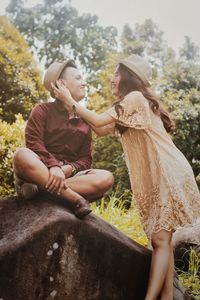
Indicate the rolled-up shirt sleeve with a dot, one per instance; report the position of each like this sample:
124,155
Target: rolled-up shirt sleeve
34,136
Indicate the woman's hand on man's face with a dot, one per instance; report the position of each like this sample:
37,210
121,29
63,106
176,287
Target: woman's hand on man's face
62,93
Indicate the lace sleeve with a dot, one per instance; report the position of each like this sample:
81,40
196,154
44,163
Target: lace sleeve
133,111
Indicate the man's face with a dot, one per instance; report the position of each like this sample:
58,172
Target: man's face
73,80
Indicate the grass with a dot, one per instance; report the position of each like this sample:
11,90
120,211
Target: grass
191,279
128,221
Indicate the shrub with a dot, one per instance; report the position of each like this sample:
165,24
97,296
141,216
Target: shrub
11,137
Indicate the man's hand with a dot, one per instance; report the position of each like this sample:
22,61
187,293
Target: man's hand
67,170
56,180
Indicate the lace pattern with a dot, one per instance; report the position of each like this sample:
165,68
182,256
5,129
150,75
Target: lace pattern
131,113
156,216
161,178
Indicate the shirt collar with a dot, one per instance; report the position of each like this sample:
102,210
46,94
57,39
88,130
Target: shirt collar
59,106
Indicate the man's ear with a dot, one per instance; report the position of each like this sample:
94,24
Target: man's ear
60,80
63,81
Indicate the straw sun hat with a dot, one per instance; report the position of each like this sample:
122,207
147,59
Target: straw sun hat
138,65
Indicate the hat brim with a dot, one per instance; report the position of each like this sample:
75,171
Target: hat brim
139,66
62,67
59,72
135,70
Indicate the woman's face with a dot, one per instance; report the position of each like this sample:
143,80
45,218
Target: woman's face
74,81
115,83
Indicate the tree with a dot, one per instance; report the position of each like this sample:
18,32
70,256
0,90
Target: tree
189,51
55,30
179,86
20,80
146,39
185,109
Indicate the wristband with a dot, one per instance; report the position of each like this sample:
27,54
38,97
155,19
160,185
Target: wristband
74,111
73,170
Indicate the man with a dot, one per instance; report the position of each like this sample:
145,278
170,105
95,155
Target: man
58,154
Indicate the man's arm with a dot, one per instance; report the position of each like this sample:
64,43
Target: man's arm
34,136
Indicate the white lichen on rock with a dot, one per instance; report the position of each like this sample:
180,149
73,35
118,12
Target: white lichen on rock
50,252
55,246
53,293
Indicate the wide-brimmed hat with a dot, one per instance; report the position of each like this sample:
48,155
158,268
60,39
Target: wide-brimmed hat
53,73
138,65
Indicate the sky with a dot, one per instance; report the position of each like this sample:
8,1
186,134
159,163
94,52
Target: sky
176,18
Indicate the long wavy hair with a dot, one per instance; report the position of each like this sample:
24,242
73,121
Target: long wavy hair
130,82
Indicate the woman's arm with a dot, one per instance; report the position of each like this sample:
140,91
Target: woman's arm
92,117
63,94
103,130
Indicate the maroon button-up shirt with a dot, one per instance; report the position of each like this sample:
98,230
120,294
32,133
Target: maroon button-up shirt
56,138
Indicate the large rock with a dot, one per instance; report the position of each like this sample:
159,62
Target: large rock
47,253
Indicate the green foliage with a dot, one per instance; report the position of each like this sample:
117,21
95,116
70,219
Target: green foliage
100,96
190,279
186,112
11,137
179,74
179,86
108,154
20,80
55,30
116,214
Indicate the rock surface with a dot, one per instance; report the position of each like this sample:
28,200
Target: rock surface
47,253
189,234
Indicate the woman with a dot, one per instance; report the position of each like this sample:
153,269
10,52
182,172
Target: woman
162,180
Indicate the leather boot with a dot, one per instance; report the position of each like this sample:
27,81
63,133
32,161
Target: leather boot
82,208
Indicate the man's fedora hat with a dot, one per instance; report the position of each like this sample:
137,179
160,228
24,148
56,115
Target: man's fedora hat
53,73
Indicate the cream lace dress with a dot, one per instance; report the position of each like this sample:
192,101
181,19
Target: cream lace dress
161,178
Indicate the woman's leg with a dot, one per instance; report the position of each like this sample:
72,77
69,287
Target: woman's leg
161,242
167,290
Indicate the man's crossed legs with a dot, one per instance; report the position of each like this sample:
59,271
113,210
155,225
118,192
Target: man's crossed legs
31,173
